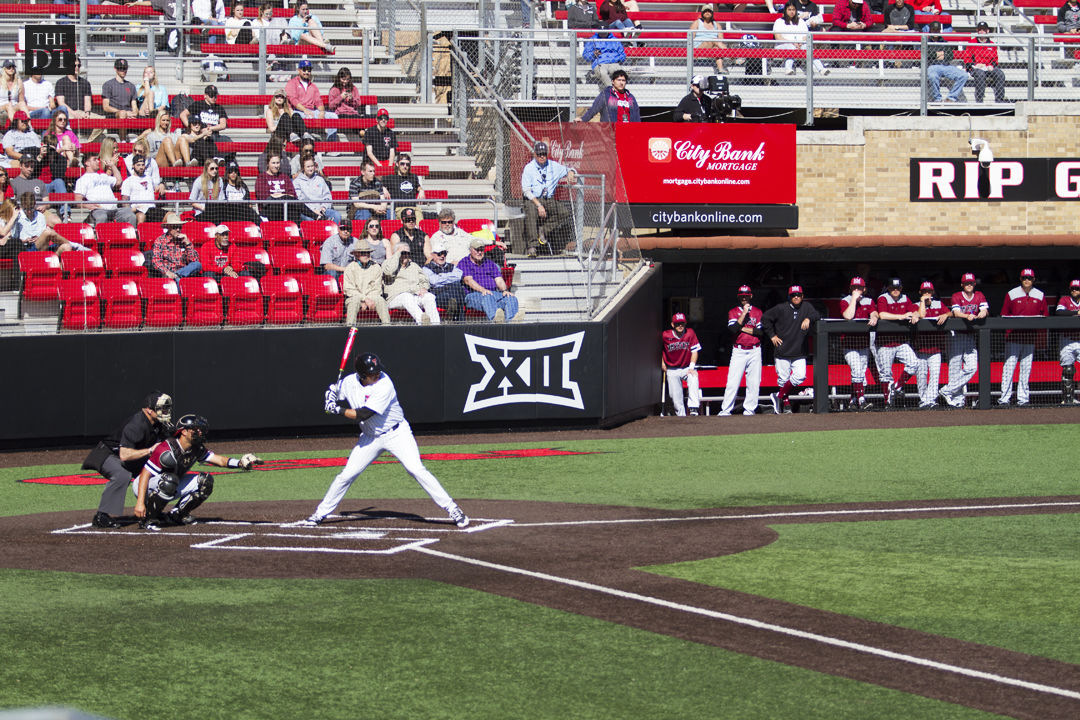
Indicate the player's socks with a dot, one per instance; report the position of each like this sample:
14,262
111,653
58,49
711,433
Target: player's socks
785,391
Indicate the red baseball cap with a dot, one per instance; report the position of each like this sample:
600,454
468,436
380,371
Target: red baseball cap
967,278
1074,284
20,115
1027,272
744,290
794,290
927,285
383,112
678,318
857,282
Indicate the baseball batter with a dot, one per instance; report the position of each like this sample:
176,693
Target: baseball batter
368,396
678,360
929,345
744,322
1069,344
1025,300
856,306
971,305
787,326
893,304
167,475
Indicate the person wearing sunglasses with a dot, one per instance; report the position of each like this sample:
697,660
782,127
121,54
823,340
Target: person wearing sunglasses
546,218
449,235
404,185
444,280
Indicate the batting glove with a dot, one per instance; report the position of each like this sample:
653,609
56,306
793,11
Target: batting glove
331,406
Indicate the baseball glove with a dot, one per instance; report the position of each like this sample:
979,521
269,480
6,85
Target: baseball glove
249,461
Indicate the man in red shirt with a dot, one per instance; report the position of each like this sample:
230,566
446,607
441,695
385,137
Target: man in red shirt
893,304
928,345
744,322
1069,343
678,360
968,304
1025,300
856,347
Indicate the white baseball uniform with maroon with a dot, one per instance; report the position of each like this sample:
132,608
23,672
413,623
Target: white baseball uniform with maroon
677,351
1069,340
745,359
893,346
856,347
929,346
1020,344
963,354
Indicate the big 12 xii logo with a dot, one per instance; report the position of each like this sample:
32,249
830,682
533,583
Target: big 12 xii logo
536,371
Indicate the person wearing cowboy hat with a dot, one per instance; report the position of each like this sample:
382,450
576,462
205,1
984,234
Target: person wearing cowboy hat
362,284
173,255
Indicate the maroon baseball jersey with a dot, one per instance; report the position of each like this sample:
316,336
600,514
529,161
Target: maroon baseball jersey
678,348
899,306
753,320
1067,304
168,457
969,305
1024,304
863,309
933,342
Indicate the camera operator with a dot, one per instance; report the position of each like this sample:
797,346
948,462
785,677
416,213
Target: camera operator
695,107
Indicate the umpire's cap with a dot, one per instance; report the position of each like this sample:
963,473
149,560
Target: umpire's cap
368,364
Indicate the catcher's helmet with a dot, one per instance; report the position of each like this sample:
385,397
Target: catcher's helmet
197,423
368,364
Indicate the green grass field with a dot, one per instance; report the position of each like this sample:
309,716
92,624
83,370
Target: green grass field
128,647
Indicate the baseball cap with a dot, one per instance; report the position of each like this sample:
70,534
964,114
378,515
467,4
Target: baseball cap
408,214
438,246
383,112
857,282
895,283
967,278
120,64
743,290
304,64
211,90
478,244
221,230
1075,284
540,148
927,285
345,224
28,156
794,290
982,26
698,80
20,115
1027,272
9,63
678,318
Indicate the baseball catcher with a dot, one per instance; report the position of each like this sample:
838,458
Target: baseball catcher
167,475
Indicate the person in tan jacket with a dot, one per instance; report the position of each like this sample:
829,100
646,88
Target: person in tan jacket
407,287
362,284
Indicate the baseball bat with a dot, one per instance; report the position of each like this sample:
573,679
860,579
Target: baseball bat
345,355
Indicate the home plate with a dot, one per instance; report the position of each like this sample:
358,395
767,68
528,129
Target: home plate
357,535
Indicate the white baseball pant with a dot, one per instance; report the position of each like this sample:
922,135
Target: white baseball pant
416,305
928,377
793,370
887,355
858,361
401,444
748,361
963,363
1024,353
674,385
1069,353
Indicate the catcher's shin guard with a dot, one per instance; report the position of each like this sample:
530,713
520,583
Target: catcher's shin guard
205,486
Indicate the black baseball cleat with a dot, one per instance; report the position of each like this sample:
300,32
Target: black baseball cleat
149,525
174,518
104,520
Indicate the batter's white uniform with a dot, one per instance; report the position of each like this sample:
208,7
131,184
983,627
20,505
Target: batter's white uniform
386,430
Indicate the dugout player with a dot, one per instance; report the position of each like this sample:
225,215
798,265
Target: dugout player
928,345
679,348
787,326
856,348
167,475
1069,344
893,304
971,305
1024,300
369,397
744,322
120,455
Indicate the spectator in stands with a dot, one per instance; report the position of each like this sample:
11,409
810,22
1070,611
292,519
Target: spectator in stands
74,93
307,147
208,194
275,28
118,95
545,216
304,97
449,236
614,14
279,115
707,34
811,14
151,95
407,287
362,284
851,16
161,140
981,60
380,142
215,257
140,189
141,148
486,288
1068,21
214,118
11,90
929,345
941,68
210,13
380,246
404,185
67,142
58,166
29,177
604,53
334,252
6,191
787,326
94,189
237,195
38,97
196,144
369,196
275,146
856,346
444,279
694,107
614,103
235,25
968,304
274,184
344,98
790,32
172,254
929,7
409,232
893,304
18,138
306,29
313,191
899,17
1024,300
31,228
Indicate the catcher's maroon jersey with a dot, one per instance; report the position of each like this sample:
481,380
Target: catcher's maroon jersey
168,457
678,348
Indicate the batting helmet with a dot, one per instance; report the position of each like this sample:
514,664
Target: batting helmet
197,423
368,364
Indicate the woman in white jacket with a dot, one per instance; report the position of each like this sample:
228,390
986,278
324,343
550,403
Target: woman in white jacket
790,32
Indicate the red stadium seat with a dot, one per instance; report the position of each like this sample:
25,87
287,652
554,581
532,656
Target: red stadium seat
81,233
123,302
430,227
291,260
82,263
42,273
471,225
164,306
148,232
80,305
245,300
389,227
325,303
314,249
281,232
203,301
125,262
508,274
284,300
198,231
241,255
244,232
317,230
114,234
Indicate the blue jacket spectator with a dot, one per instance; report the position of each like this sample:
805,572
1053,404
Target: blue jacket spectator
604,54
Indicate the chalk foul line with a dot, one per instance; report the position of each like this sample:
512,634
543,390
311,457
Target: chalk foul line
758,624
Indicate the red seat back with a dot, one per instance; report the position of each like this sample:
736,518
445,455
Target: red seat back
77,232
123,302
281,232
164,306
125,262
148,232
291,260
41,271
116,234
240,255
82,263
317,230
284,300
80,305
244,232
198,231
203,304
325,303
245,300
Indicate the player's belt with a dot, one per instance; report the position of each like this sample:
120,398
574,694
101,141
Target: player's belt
392,429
